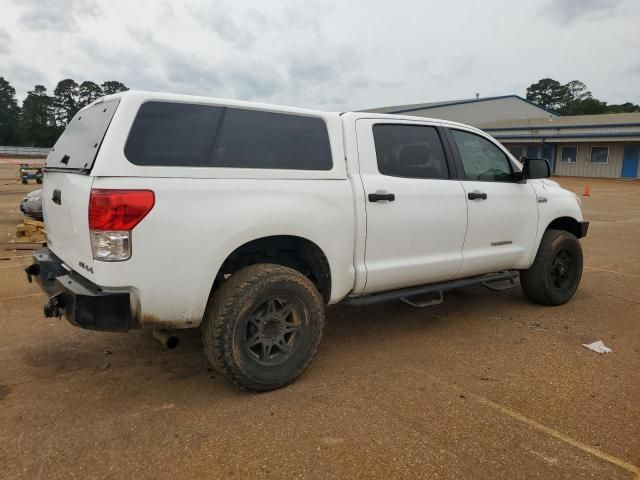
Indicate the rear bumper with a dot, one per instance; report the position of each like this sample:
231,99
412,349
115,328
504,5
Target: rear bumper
584,226
82,302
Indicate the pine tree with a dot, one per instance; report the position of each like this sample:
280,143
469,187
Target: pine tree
9,112
66,101
37,119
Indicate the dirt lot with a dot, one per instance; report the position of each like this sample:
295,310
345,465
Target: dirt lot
486,385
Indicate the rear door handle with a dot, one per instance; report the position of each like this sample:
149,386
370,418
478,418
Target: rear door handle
378,197
57,197
477,196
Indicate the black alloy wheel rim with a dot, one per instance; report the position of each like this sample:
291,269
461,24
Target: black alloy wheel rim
562,269
272,331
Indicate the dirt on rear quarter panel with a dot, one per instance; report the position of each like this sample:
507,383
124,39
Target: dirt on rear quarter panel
149,321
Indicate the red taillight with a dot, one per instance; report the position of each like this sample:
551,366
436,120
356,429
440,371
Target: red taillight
118,209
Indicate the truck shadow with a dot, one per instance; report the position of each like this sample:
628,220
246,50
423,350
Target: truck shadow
136,362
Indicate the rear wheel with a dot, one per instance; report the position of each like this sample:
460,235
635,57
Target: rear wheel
556,271
262,326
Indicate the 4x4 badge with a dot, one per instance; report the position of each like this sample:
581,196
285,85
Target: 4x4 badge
86,267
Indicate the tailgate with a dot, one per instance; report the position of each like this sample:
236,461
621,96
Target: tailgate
65,203
67,185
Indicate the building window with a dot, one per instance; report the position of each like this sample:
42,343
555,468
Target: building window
569,154
599,154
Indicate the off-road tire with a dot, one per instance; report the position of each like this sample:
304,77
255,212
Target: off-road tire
540,282
236,303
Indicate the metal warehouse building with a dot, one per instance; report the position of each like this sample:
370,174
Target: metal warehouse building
585,145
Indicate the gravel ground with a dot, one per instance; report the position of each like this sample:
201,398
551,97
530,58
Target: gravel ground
486,385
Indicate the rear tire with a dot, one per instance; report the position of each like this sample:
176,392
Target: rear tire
556,271
262,327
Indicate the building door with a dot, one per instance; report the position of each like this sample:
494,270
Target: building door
532,151
548,152
630,162
517,151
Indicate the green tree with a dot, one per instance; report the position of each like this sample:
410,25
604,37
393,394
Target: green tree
626,107
37,120
548,93
88,92
112,86
576,93
9,112
589,106
66,101
572,98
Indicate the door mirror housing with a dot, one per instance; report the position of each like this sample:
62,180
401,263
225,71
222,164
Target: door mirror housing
535,168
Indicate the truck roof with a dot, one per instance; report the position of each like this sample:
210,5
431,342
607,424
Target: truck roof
142,95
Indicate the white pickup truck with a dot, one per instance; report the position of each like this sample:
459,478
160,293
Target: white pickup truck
166,212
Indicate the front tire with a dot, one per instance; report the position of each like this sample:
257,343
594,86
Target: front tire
556,271
262,327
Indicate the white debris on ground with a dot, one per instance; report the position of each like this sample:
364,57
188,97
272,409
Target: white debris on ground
598,347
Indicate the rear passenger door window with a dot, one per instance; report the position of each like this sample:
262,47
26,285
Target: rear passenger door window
481,159
410,151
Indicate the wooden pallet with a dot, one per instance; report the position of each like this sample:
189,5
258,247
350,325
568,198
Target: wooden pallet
28,235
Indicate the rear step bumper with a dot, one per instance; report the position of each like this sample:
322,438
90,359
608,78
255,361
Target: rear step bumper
82,302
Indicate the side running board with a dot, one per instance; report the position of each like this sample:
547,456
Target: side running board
494,281
436,299
500,285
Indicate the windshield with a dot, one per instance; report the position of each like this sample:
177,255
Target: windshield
79,143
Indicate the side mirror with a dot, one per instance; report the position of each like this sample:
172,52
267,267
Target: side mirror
536,168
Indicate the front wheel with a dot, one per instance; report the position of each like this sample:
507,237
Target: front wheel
262,326
556,271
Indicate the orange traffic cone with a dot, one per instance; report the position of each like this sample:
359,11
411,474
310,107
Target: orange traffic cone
587,191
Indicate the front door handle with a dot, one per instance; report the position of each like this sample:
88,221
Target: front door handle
378,197
477,196
57,197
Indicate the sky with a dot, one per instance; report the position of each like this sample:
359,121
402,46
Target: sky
326,54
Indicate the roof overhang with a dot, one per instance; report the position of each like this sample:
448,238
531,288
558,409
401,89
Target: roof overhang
588,137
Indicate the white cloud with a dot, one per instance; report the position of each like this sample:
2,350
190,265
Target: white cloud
222,22
566,11
327,54
5,40
59,16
